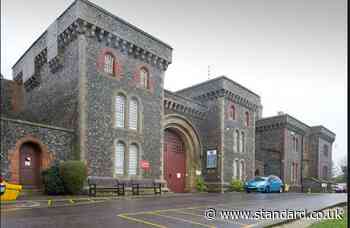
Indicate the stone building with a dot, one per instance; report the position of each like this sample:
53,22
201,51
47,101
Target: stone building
91,87
289,148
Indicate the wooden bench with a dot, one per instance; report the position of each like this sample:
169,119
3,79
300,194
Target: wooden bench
109,184
136,185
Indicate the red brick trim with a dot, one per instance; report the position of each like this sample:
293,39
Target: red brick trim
136,78
228,111
117,69
247,118
14,156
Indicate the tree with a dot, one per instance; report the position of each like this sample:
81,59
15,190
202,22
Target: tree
344,167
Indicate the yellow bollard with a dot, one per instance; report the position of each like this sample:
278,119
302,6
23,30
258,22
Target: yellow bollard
286,188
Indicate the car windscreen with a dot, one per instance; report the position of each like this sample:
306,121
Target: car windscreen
260,178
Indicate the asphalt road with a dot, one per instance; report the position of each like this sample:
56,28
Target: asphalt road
183,211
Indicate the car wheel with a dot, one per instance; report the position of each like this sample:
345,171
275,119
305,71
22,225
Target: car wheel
247,191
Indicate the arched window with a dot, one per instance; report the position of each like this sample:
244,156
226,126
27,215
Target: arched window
133,159
243,142
325,172
247,119
119,158
232,112
109,63
325,150
237,141
235,169
120,111
296,173
144,78
133,114
241,170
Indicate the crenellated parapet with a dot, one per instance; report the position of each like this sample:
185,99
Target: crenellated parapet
282,121
323,132
112,40
223,87
86,19
180,104
237,98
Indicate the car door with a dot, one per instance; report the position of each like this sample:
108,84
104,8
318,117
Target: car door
275,186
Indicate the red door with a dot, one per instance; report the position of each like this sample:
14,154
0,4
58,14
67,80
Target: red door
29,166
174,162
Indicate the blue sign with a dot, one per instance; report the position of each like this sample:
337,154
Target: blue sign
211,159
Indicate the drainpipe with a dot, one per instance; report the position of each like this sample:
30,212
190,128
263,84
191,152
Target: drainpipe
302,163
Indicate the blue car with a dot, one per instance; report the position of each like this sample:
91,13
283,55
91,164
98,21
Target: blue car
264,184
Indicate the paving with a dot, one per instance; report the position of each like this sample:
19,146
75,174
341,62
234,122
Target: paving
180,210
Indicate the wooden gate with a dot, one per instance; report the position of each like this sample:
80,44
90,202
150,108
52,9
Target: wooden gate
174,161
29,165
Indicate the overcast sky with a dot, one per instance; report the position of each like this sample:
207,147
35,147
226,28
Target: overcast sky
292,53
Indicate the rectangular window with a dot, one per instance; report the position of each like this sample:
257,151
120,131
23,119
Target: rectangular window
109,62
133,114
120,110
119,158
133,155
211,159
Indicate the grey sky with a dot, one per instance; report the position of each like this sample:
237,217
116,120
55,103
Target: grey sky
292,53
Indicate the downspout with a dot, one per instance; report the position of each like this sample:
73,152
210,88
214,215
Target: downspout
302,163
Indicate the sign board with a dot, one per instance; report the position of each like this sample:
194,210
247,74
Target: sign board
144,164
211,159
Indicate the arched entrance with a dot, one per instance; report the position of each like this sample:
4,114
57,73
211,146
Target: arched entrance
181,153
29,165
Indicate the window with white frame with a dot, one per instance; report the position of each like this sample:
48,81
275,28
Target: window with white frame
235,169
247,119
144,78
234,142
109,63
120,111
243,142
325,150
232,112
325,172
133,114
119,158
241,170
237,141
294,172
133,159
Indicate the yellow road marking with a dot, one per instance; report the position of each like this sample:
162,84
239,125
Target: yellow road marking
188,213
124,216
183,220
197,209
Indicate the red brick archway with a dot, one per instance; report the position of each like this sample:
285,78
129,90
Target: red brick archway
186,136
14,156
